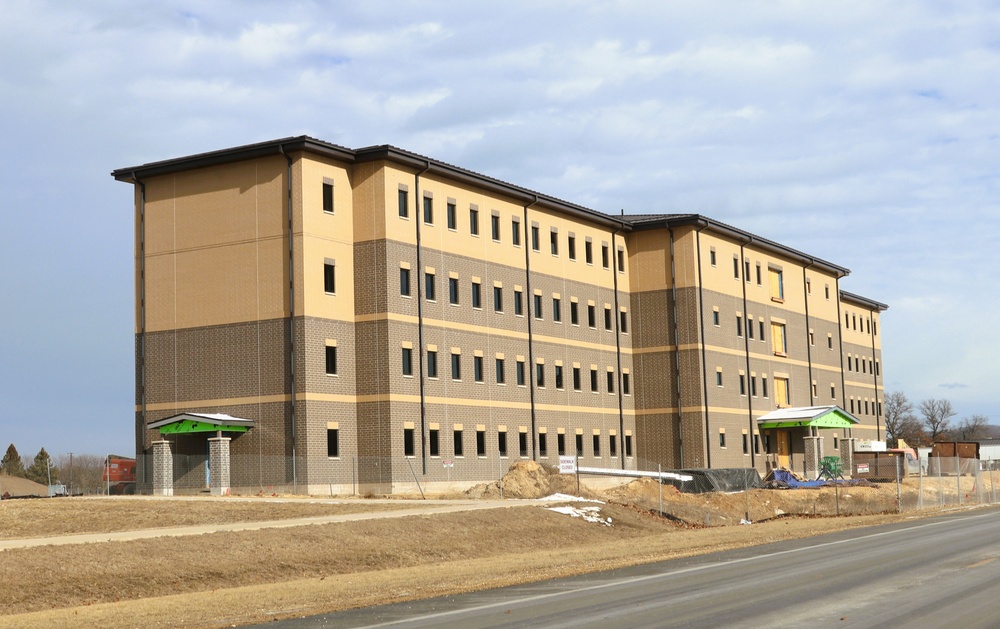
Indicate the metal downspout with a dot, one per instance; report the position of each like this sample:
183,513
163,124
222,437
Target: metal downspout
677,354
418,219
809,358
701,326
840,345
142,309
618,347
746,345
529,304
875,376
291,315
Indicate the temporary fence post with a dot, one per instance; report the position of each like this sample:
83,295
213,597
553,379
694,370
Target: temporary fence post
993,489
836,493
940,482
920,492
415,479
578,474
899,501
659,472
500,469
354,478
958,478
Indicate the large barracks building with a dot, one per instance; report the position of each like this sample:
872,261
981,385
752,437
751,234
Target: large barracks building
323,319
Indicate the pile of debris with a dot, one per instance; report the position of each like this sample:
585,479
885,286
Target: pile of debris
528,479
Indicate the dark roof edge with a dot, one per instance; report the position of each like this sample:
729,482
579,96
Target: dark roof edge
870,304
704,222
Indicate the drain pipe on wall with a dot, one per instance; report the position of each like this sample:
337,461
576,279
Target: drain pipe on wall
291,315
809,357
701,327
618,342
746,344
529,296
418,219
142,309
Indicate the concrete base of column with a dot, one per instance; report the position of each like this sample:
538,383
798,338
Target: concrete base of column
163,469
847,455
814,452
218,460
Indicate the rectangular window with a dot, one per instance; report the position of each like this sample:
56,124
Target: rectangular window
522,444
628,445
607,319
718,378
457,445
750,328
812,338
592,315
736,267
432,364
576,379
612,446
579,444
753,386
758,274
452,216
456,366
407,361
611,382
540,375
623,321
477,368
538,306
328,198
715,318
501,377
739,325
534,238
574,313
515,232
722,439
711,256
331,360
605,258
502,442
333,442
477,295
429,210
588,252
554,243
404,204
429,286
756,444
453,291
746,443
329,278
593,381
621,260
597,446
409,446
473,221
763,386
518,303
561,444
497,299
782,396
762,331
480,442
495,227
833,391
434,441
556,309
571,247
404,282
543,446
559,377
743,384
519,369
777,284
778,339
746,270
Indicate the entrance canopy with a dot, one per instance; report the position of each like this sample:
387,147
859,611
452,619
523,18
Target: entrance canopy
808,416
186,423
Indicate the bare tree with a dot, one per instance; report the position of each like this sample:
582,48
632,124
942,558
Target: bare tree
900,421
972,428
81,474
937,418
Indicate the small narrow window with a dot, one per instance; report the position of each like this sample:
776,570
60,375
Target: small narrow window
502,442
715,318
711,256
331,360
611,382
540,375
579,444
561,444
559,377
763,386
739,325
515,232
746,270
623,323
753,386
743,384
497,299
571,247
534,238
746,443
457,445
404,282
605,259
329,278
522,444
453,291
593,381
474,221
429,210
477,295
328,198
332,442
722,439
404,204
477,368
758,274
607,318
432,364
434,441
554,243
718,378
518,303
556,309
777,285
452,217
407,361
592,316
501,377
495,227
621,260
543,447
456,366
538,306
612,446
480,442
750,329
576,379
429,286
588,251
519,369
736,267
409,447
597,446
628,445
574,313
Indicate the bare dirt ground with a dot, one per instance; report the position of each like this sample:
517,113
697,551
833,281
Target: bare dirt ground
229,579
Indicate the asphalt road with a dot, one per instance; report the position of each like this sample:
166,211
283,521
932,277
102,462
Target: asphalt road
935,572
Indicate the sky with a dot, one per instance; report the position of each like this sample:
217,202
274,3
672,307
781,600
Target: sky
865,133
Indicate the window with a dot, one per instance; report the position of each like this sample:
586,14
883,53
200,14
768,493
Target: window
453,291
515,232
778,339
408,443
329,277
612,446
333,442
522,444
626,385
432,364
501,377
534,238
777,284
457,442
756,443
782,396
762,331
605,260
607,318
593,380
404,204
758,274
477,368
554,243
739,325
576,379
434,442
746,443
711,256
518,303
722,439
407,361
477,295
497,299
715,318
743,384
763,386
812,339
597,445
556,309
429,210
495,227
574,313
621,260
809,289
328,198
538,306
592,315
736,267
452,216
502,442
429,286
815,393
331,360
480,442
559,377
833,391
746,269
404,282
718,378
611,382
571,247
540,375
588,251
750,328
579,444
456,366
519,369
628,444
623,321
826,290
561,444
836,443
473,221
543,446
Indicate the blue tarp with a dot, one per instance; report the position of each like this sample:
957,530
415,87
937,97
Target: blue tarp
786,477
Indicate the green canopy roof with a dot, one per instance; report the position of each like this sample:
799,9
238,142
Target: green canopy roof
813,416
187,423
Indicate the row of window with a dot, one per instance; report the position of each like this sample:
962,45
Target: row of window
851,322
598,441
863,365
451,214
781,388
518,301
875,407
775,276
779,339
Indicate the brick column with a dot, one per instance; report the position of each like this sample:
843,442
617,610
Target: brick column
163,469
814,452
847,456
218,460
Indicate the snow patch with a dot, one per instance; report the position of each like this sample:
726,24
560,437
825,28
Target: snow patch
590,514
567,498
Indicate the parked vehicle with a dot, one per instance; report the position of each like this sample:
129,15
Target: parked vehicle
119,475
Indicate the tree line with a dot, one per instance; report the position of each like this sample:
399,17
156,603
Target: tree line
81,473
929,421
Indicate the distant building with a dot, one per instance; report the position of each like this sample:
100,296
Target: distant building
374,317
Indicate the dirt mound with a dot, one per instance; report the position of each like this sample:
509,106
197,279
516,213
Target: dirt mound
528,479
21,487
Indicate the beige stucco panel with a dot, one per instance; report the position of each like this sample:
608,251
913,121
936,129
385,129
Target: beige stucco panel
369,202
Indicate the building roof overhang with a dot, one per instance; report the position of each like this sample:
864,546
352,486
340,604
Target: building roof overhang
864,302
187,423
808,416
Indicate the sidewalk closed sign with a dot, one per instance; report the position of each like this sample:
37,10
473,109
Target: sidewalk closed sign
567,465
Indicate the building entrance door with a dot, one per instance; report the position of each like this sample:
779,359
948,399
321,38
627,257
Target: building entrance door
784,448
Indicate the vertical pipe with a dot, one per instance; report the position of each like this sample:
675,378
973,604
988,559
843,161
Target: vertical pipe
529,304
291,314
418,218
746,346
618,345
701,342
